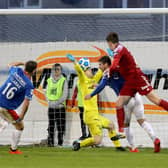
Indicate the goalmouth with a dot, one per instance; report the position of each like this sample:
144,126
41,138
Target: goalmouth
46,35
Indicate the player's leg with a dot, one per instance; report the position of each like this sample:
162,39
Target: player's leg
93,140
128,130
95,128
145,88
149,130
12,117
126,93
157,100
51,127
60,122
16,138
122,100
130,138
107,124
83,126
3,124
139,113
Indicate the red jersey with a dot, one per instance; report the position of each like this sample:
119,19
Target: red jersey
124,62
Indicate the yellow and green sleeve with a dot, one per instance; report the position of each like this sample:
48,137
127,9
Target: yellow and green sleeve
79,71
98,75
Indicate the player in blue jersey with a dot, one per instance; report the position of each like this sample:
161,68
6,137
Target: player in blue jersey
135,105
17,89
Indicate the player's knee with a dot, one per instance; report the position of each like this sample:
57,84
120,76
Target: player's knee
22,128
153,98
111,126
122,101
19,126
126,125
119,105
97,140
141,121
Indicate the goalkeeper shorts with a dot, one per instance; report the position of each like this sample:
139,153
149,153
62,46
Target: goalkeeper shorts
97,124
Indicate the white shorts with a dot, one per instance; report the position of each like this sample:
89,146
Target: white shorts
135,106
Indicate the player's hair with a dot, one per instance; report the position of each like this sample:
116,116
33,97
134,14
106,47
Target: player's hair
105,60
30,66
112,37
57,65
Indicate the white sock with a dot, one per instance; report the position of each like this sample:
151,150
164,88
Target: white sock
3,125
129,136
15,139
148,128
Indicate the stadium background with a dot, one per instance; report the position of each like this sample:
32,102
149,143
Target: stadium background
23,38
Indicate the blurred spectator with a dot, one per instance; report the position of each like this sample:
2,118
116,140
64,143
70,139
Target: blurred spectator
57,92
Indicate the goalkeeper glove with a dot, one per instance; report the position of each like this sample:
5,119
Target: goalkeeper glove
70,57
110,52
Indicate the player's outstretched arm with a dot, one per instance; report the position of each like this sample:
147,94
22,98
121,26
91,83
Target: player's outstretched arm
77,66
115,62
16,64
110,52
25,107
98,89
71,58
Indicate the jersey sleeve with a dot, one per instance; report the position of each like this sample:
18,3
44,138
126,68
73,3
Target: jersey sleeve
100,87
29,93
79,71
98,75
12,69
117,57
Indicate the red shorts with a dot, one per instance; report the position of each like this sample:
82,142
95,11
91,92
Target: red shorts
13,114
138,83
9,115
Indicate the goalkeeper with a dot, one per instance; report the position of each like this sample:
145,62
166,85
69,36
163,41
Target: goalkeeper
93,120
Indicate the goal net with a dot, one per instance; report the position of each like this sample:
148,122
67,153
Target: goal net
48,35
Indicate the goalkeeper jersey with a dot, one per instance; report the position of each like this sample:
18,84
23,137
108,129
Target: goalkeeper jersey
87,86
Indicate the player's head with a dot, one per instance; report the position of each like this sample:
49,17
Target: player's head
57,69
30,67
104,63
112,40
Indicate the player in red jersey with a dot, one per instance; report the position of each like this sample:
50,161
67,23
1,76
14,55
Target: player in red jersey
135,79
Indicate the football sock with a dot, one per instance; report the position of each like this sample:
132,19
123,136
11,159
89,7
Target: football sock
113,134
148,128
120,118
15,139
164,104
129,136
87,142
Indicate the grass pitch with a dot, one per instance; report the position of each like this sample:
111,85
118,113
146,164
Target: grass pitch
43,157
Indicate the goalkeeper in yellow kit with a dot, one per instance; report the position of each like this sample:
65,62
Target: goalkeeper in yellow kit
92,118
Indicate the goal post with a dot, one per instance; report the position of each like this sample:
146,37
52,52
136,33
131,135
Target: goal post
84,11
47,35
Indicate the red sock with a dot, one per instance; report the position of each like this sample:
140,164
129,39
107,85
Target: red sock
120,119
164,104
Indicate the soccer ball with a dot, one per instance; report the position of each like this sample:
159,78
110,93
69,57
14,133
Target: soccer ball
84,63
